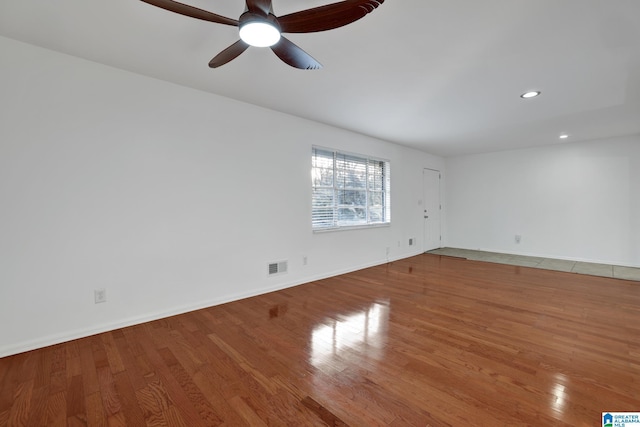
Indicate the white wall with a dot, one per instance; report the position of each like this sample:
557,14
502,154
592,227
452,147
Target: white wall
169,198
578,201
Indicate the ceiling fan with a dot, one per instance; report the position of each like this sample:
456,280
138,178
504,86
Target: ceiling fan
260,27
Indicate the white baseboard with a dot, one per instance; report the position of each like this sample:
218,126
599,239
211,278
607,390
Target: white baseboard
21,347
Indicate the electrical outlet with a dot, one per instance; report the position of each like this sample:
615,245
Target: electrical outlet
518,238
100,295
388,250
411,241
304,260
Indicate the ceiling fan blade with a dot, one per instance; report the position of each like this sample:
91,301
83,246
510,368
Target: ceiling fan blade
327,17
263,6
193,12
294,56
232,52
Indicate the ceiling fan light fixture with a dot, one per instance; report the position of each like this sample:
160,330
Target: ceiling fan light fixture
259,34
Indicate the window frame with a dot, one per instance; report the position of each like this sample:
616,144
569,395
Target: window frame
369,177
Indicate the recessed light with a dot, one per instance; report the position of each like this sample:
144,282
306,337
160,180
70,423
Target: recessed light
531,94
564,136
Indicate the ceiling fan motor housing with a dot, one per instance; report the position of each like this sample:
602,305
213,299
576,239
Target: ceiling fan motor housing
249,17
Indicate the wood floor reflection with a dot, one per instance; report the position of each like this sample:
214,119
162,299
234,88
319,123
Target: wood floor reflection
426,341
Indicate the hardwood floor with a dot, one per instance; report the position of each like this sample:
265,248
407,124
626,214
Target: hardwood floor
425,341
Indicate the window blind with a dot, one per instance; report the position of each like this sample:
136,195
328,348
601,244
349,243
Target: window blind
349,190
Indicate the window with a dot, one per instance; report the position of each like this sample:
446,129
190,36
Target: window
349,190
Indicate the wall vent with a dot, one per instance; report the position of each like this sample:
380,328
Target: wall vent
277,268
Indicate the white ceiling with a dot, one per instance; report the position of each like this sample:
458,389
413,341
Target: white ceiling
443,76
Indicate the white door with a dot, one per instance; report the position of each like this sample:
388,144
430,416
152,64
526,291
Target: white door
431,209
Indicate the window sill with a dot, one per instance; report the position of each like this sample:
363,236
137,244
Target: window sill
349,227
